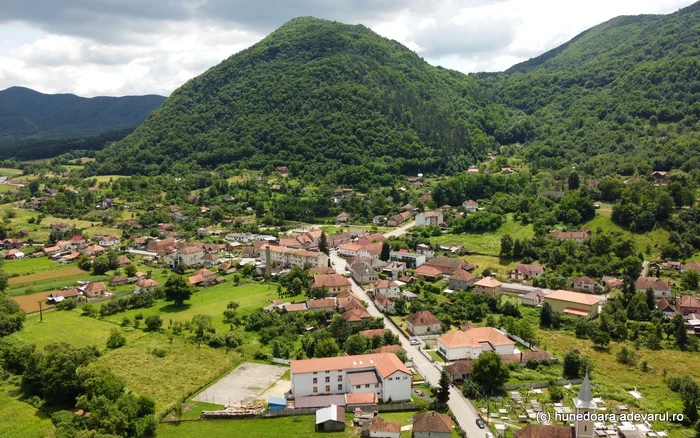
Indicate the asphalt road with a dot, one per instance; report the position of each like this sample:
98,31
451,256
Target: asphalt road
401,230
462,408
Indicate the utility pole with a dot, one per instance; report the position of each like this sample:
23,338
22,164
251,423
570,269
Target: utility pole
41,313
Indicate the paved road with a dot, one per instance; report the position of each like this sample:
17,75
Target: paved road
462,408
401,230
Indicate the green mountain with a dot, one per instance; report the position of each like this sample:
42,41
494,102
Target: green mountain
340,102
27,114
317,96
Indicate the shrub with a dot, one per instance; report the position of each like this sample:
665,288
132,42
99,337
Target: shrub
115,339
153,323
67,304
159,352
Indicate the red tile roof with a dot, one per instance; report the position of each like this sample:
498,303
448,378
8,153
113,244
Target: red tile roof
432,422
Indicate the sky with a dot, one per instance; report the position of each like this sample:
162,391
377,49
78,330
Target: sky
134,47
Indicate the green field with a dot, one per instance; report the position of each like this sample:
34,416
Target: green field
211,301
185,368
6,171
283,427
650,239
53,284
499,266
30,266
486,243
20,419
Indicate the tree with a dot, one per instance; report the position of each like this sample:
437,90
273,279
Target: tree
153,323
326,347
100,265
546,315
339,329
297,286
681,332
386,252
178,289
356,344
130,270
323,244
690,280
231,313
627,357
556,394
506,245
115,339
11,315
574,182
201,325
572,365
400,305
443,394
600,338
471,389
489,371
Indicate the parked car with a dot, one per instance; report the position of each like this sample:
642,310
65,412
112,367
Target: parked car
480,423
415,341
488,435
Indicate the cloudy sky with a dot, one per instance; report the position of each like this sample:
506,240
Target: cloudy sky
120,47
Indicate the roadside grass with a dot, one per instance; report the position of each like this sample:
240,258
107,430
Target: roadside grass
20,419
282,427
613,380
211,301
184,369
30,266
650,239
487,243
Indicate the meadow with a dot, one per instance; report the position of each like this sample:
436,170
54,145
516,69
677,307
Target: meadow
283,427
649,240
29,266
20,419
486,243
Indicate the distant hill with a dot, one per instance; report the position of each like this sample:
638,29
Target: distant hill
326,99
27,114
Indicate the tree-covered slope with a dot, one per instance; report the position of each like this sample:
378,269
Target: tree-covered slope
621,97
317,96
27,114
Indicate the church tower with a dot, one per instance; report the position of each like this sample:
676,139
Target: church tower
584,404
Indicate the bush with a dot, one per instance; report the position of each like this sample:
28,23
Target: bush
67,304
421,404
153,323
159,352
556,394
115,339
90,310
532,364
217,340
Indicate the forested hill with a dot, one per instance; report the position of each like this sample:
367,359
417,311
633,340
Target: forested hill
27,114
622,97
317,96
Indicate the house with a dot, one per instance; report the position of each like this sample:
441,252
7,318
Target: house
610,283
145,285
109,241
290,257
123,261
295,307
432,425
506,170
12,243
93,250
385,287
665,307
342,192
380,428
322,305
429,219
95,289
330,419
688,304
533,298
661,288
576,236
423,323
488,286
425,198
583,283
394,269
408,207
380,373
470,205
343,218
389,349
282,170
411,260
524,272
429,273
356,315
334,283
68,257
59,295
461,280
691,265
448,265
203,277
670,264
362,272
118,280
660,176
161,246
371,334
384,304
460,370
14,254
471,343
573,303
398,219
61,228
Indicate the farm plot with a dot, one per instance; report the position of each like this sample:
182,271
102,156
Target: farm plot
48,275
30,303
244,384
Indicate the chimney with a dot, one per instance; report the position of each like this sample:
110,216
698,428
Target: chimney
268,262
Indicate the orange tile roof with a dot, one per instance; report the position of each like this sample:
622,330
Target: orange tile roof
573,297
462,275
474,337
488,282
381,425
330,280
356,314
366,398
372,333
422,318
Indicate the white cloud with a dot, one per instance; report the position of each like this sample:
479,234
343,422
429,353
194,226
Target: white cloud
136,47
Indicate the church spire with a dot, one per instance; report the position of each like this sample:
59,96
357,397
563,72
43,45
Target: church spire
585,395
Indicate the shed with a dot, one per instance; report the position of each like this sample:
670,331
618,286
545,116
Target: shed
330,419
276,403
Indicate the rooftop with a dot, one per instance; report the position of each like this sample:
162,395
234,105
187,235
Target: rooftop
386,364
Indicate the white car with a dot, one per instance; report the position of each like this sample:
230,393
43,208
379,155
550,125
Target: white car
415,341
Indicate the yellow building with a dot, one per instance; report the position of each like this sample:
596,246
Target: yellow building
488,286
573,303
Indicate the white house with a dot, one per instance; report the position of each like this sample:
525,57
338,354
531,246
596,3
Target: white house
411,259
380,428
109,241
382,373
471,343
429,219
533,298
145,285
387,288
187,256
470,206
432,425
289,257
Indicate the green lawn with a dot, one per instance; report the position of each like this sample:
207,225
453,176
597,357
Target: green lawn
283,427
211,301
31,266
20,419
404,419
486,243
185,368
650,239
499,266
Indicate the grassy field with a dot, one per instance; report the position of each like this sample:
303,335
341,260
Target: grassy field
6,171
500,266
650,239
30,303
184,369
107,178
284,427
212,301
20,419
71,271
404,419
486,243
30,266
53,284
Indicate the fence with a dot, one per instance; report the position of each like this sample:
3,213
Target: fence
516,338
541,384
386,407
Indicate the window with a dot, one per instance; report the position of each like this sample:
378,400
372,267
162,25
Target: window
367,385
328,379
315,389
328,388
376,385
340,371
340,387
340,378
315,373
315,380
405,377
328,372
358,386
390,378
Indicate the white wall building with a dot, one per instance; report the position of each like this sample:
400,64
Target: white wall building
471,343
383,374
289,257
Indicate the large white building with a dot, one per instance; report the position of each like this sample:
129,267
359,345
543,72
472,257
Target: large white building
471,343
383,374
429,219
285,257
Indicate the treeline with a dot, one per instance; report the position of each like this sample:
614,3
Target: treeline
39,149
